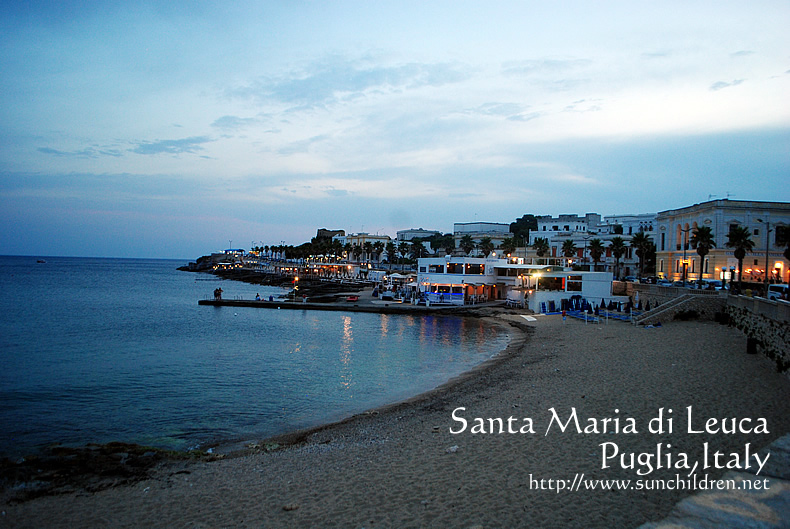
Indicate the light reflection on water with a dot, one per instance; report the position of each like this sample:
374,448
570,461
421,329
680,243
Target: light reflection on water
98,350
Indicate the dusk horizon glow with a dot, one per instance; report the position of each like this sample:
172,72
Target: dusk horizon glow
169,129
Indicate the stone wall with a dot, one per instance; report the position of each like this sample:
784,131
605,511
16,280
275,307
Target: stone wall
688,305
766,324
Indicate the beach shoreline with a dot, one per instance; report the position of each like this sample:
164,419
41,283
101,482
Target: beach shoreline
400,465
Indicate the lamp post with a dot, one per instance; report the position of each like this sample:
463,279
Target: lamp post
584,255
685,247
767,245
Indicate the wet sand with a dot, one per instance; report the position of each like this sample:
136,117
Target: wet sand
401,466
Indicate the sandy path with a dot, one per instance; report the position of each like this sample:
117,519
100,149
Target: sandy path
398,467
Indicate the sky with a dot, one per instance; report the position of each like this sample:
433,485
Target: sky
176,128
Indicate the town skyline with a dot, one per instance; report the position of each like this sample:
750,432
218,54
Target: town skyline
166,130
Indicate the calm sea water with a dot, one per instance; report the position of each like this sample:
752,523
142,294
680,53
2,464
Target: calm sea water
99,350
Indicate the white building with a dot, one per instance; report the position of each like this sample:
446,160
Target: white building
470,280
413,233
495,231
629,224
768,223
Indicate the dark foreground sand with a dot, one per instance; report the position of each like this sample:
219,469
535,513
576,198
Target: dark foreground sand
401,466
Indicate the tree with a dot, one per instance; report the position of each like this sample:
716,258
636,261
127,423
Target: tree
368,247
357,251
403,249
642,245
541,246
390,247
702,240
596,251
417,249
486,246
378,247
617,246
569,248
508,245
521,228
467,244
740,239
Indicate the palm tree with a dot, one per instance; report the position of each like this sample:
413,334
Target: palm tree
486,246
403,249
357,251
508,245
702,240
378,247
390,247
642,244
569,248
596,251
740,239
368,247
541,246
417,249
617,246
467,244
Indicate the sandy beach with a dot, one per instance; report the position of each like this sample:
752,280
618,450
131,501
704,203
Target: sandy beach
401,466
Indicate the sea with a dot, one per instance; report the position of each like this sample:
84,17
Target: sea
101,350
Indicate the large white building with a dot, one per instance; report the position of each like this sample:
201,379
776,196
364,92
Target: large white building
469,280
414,233
768,223
581,230
495,231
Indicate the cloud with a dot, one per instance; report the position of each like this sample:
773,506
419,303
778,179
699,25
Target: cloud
339,79
88,152
719,85
185,145
234,122
542,66
302,146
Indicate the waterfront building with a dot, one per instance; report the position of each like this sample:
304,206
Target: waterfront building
767,222
629,224
565,224
414,233
478,231
469,280
324,233
580,230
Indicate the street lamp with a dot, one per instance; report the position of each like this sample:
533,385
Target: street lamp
685,247
767,245
584,255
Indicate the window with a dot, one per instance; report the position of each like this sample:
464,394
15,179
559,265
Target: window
663,240
422,269
661,265
756,231
475,269
436,269
455,268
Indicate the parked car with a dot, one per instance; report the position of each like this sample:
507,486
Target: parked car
631,279
664,283
777,291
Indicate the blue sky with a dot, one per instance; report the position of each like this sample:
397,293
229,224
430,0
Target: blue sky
168,129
